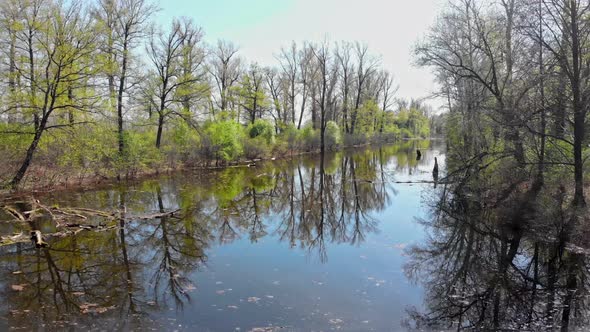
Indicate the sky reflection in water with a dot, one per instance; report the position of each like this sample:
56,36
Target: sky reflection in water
283,244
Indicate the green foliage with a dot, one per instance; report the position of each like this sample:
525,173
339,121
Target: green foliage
256,147
225,139
88,148
183,138
412,123
140,153
289,136
263,129
309,137
333,136
367,118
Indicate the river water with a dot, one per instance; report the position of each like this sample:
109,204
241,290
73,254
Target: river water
294,245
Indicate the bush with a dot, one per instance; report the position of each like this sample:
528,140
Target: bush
256,147
355,139
262,128
290,135
183,141
333,136
140,152
224,140
309,137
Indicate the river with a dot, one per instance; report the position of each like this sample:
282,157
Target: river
296,245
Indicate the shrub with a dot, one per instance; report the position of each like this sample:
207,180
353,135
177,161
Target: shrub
224,139
183,140
262,128
290,135
333,136
256,147
309,137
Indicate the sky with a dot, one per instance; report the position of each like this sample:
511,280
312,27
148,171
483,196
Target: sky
261,27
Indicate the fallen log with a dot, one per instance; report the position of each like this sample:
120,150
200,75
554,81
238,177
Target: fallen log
13,212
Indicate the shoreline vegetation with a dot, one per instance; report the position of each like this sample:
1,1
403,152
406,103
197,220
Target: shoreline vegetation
93,91
515,85
59,180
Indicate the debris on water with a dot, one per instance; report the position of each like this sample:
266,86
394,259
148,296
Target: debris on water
220,292
18,288
232,306
266,329
253,299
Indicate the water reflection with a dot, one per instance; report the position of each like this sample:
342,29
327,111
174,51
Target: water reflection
502,254
127,275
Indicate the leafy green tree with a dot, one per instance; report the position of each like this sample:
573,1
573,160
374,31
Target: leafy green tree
225,139
65,43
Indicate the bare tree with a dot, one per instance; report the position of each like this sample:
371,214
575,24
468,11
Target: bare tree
288,60
344,56
225,67
327,78
167,54
366,66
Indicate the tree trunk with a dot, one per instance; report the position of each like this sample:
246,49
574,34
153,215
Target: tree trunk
160,128
120,99
20,174
578,108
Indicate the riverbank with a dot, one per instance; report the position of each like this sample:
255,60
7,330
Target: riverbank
40,179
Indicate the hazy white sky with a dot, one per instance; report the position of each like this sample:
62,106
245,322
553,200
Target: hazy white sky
261,27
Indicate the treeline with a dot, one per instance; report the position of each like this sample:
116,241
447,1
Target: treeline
515,75
95,88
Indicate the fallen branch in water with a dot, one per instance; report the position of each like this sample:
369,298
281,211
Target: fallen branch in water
154,215
69,221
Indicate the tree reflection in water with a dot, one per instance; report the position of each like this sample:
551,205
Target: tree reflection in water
502,254
127,275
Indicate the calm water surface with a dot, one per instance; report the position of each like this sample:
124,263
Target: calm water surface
292,245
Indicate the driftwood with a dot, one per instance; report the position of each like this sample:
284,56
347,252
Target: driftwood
14,213
69,221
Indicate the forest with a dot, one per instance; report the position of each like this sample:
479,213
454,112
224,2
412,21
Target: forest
509,232
471,216
99,90
515,76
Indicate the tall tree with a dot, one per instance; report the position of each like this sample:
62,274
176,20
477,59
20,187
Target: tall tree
166,52
225,67
65,44
125,24
251,92
365,67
